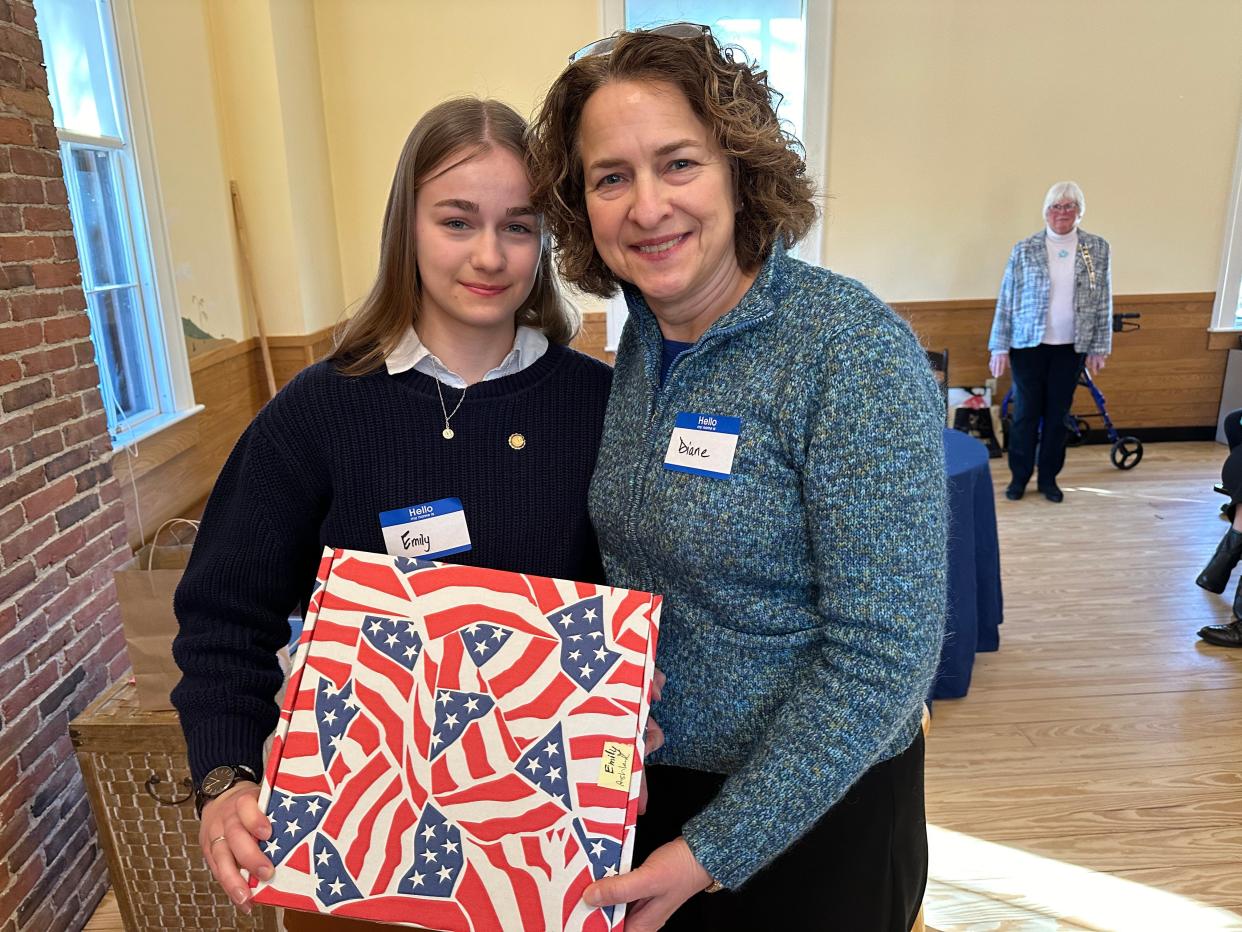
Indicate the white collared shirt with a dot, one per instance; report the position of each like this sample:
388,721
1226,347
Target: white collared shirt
529,345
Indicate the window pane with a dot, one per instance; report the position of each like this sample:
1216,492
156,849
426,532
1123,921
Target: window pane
120,337
74,42
772,32
99,219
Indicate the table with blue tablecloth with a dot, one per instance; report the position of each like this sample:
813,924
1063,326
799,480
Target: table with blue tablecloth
974,610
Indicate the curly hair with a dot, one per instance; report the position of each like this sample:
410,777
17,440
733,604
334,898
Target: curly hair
732,99
448,134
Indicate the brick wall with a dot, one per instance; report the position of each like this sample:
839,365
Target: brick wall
62,526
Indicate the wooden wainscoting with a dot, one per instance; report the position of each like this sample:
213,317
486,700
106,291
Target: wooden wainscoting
592,336
1167,374
292,354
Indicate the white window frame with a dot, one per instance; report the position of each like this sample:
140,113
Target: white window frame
1229,288
815,123
174,394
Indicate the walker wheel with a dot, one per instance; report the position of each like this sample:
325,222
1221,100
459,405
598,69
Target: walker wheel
1127,452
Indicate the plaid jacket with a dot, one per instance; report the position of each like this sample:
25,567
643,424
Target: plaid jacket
1022,307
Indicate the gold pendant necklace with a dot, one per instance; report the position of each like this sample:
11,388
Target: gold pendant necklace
448,433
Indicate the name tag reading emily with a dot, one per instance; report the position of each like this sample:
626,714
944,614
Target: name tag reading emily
428,531
703,444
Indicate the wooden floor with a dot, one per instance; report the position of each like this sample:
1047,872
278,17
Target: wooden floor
1092,779
107,917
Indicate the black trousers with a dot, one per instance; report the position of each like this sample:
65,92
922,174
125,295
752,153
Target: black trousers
1044,379
861,868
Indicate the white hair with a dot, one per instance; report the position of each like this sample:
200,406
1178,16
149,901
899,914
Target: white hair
1068,190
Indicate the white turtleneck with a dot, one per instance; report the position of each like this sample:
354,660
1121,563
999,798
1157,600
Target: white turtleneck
1059,328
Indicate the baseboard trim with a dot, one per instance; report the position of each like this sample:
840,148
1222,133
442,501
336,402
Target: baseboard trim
1155,434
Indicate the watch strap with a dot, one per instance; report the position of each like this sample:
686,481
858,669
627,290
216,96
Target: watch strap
241,773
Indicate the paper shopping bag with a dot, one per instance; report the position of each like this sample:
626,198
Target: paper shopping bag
144,590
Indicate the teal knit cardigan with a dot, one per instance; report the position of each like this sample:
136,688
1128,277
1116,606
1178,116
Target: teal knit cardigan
805,595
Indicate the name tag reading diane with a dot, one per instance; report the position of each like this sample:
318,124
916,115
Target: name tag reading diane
430,531
703,444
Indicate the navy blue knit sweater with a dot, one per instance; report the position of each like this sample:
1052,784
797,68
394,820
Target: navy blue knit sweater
316,468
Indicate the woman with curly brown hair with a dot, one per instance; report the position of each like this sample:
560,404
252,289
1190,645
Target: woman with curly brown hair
772,463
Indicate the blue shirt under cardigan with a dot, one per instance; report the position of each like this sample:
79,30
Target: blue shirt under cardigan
805,596
316,468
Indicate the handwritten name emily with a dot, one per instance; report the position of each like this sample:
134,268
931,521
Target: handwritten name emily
615,766
409,541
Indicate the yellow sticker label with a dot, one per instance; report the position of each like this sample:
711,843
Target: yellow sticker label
615,766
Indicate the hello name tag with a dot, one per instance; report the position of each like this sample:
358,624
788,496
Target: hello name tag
436,529
703,444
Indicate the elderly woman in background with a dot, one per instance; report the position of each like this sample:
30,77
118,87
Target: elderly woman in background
772,463
1055,310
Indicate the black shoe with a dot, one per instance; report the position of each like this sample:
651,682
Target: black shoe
1229,635
1013,491
1052,492
1215,575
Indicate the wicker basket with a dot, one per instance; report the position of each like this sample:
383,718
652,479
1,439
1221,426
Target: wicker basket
138,781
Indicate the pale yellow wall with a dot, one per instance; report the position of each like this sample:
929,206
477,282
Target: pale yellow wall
253,137
950,120
306,161
268,85
185,135
384,62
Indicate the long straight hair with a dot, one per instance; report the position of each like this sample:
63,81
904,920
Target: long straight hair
449,133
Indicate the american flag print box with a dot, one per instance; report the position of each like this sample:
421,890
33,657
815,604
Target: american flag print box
459,748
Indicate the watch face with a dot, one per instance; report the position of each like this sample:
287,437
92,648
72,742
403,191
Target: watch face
218,780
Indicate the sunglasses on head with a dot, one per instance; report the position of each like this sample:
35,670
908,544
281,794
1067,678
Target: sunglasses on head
671,30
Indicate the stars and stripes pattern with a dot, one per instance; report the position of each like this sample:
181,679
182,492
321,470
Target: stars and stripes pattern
543,764
455,710
438,758
482,641
585,655
438,857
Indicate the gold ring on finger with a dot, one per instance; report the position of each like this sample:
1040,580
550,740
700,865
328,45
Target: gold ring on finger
217,840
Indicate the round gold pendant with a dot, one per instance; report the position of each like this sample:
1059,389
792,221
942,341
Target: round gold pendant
447,433
517,441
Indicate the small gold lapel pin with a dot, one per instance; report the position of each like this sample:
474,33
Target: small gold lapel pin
517,441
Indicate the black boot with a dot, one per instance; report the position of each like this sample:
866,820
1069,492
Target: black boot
1215,575
1229,635
1052,492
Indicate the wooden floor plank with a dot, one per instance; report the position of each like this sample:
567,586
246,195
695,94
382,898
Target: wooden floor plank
1103,740
107,917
